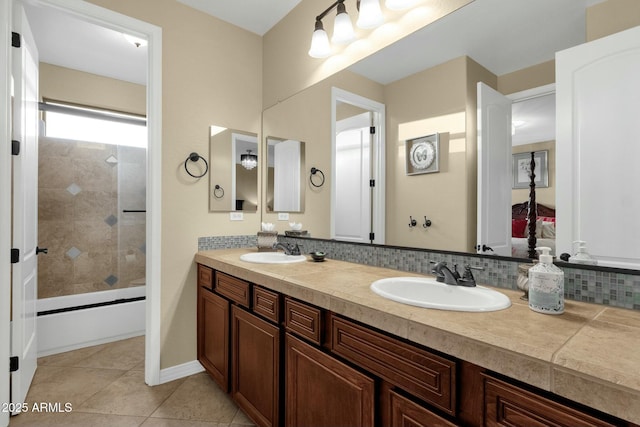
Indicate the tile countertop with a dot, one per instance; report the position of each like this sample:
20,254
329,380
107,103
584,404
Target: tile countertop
589,354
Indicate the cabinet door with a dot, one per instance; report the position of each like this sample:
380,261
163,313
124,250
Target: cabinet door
256,367
213,336
403,412
322,391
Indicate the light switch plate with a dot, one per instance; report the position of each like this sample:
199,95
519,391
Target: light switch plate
236,216
283,216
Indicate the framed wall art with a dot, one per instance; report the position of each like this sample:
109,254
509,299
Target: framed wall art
522,169
422,154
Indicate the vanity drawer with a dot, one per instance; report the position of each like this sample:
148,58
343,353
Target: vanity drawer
205,276
303,320
423,374
235,289
266,303
509,405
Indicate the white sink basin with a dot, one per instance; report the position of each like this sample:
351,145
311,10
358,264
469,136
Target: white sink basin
272,258
426,292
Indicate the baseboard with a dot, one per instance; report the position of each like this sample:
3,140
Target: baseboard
180,371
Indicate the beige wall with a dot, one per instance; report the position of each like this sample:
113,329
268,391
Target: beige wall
432,101
612,16
63,84
288,68
211,74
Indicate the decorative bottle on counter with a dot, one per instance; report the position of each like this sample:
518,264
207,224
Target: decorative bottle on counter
546,285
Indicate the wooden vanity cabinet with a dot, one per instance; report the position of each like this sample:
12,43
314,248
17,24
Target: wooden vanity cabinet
255,366
322,391
287,362
213,335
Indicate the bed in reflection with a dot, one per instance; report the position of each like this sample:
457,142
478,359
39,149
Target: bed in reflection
544,230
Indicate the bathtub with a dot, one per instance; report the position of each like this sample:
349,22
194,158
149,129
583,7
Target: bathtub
75,321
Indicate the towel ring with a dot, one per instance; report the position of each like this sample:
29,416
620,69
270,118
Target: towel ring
218,192
315,171
194,157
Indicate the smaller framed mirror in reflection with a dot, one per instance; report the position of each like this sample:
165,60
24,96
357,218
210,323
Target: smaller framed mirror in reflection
233,181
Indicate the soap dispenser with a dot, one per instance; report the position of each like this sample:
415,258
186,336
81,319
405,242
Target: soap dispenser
546,285
581,256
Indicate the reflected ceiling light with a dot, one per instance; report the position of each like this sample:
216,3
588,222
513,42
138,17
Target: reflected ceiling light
399,4
249,161
342,28
136,41
370,15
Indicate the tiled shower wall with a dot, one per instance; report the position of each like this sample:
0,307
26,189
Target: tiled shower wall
93,246
599,286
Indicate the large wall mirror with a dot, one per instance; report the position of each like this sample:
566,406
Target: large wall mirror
438,96
285,175
233,181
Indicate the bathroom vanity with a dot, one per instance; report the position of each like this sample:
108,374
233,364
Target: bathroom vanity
308,344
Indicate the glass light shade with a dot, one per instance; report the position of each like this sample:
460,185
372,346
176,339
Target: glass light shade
342,28
370,15
249,161
399,4
320,47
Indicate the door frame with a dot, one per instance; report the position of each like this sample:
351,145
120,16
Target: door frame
5,201
378,158
118,22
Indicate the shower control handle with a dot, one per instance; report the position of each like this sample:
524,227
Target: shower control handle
41,250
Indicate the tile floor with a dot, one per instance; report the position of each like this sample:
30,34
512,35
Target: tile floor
104,386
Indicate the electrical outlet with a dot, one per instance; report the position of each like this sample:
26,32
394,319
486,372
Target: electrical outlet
236,216
283,216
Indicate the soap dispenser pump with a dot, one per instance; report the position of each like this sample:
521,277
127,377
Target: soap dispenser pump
581,256
546,285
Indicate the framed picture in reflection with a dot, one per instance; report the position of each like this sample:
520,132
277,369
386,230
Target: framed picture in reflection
522,169
422,154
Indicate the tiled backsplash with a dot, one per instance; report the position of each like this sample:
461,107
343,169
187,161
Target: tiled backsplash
600,286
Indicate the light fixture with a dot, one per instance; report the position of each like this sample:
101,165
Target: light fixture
136,41
342,28
370,15
249,161
320,47
399,4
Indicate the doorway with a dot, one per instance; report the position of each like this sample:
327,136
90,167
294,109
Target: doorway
97,15
357,168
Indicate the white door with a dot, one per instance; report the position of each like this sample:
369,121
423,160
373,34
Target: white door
25,207
286,176
598,107
353,172
494,172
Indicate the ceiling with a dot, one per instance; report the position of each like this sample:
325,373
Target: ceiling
503,36
257,16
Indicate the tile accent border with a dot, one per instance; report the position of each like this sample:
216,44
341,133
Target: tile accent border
611,287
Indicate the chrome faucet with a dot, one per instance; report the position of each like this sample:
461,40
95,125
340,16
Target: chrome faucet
445,275
289,249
